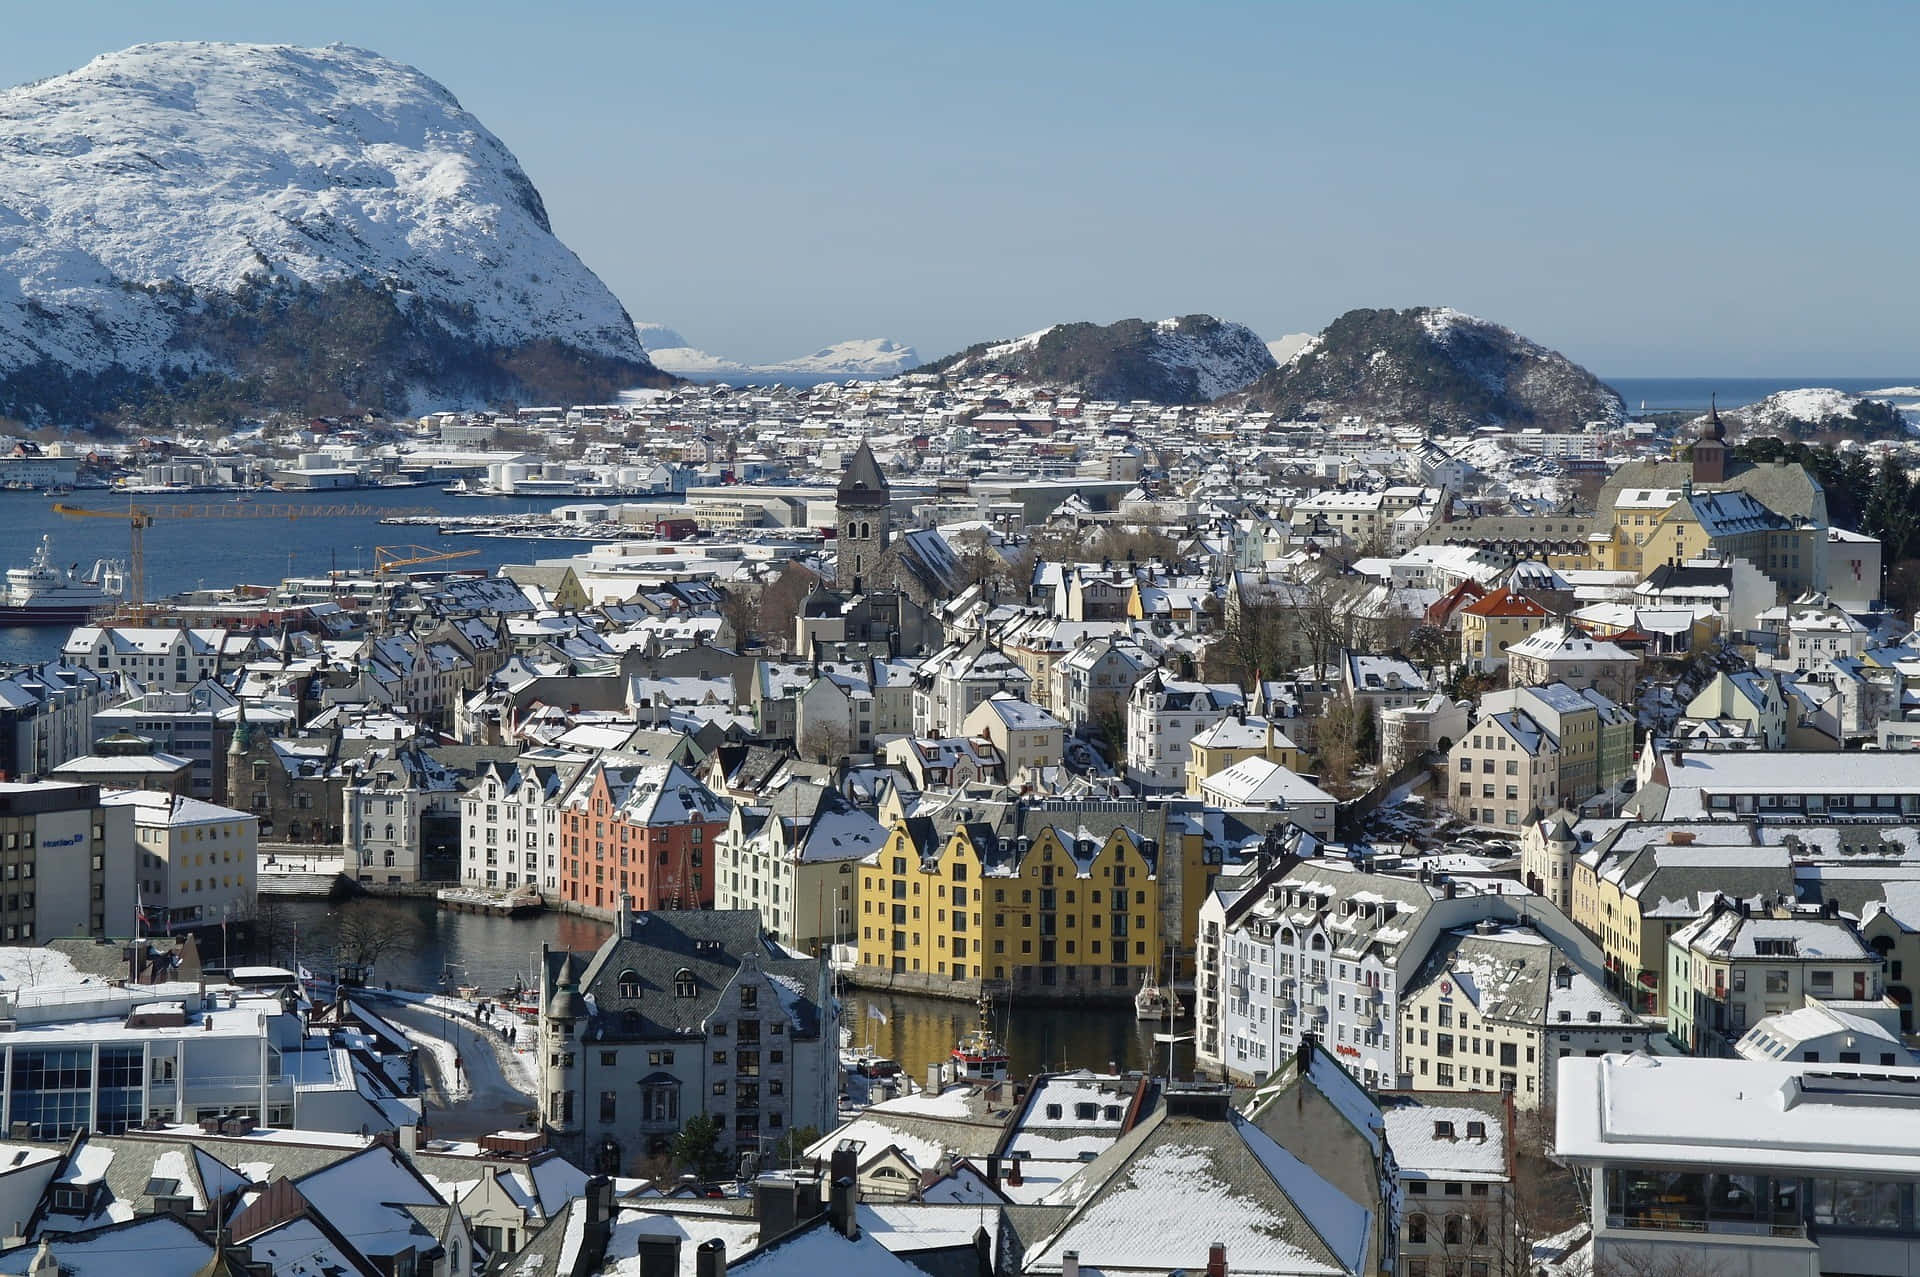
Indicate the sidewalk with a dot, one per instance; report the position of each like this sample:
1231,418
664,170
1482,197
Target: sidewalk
518,1064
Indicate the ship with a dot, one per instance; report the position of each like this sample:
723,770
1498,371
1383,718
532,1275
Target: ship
43,593
979,1057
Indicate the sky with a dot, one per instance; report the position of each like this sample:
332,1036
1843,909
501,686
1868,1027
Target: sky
1673,189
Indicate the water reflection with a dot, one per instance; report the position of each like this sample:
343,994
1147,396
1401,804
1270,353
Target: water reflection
493,953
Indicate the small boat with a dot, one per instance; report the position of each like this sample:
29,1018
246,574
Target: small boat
1154,1003
979,1057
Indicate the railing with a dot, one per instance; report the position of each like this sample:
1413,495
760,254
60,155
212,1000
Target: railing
1727,1227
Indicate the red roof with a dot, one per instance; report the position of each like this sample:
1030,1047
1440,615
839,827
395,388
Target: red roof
1504,602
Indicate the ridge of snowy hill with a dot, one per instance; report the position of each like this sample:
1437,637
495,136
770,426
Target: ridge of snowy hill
863,359
1811,410
1433,366
168,210
1189,359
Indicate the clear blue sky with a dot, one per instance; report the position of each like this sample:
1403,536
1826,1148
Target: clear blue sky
1656,189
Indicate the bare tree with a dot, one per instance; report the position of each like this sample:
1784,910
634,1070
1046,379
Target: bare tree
1340,739
825,742
365,938
741,611
780,603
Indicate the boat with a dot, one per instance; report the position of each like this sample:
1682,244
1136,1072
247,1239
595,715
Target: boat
1154,1003
979,1057
43,593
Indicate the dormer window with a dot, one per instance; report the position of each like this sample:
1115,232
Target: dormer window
629,984
683,984
1054,1112
1476,1130
1443,1130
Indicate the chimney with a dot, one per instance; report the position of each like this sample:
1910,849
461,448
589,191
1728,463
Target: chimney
842,1209
410,1139
993,1169
774,1201
1070,1263
806,1205
933,1079
1217,1260
1013,1172
711,1259
658,1256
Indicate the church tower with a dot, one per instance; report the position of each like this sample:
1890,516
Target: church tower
863,509
1710,449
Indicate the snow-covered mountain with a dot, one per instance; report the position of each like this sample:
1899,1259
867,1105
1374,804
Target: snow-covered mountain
865,359
1191,359
170,209
1812,410
1433,366
1283,349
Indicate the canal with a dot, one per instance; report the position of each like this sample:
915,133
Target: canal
492,953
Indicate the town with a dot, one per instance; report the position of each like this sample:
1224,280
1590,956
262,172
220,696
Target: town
1506,836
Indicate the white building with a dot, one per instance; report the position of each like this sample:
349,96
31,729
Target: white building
196,859
47,715
1765,1168
1163,716
1820,1034
792,861
168,659
510,824
951,682
1495,1005
1327,948
108,1057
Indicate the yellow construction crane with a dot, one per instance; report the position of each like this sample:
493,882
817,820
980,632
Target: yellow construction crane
140,518
388,557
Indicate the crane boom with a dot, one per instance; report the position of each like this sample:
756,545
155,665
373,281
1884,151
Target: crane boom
140,518
388,557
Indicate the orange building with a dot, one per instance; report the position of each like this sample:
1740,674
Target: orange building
642,827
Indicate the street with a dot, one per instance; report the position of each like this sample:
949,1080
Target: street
494,1101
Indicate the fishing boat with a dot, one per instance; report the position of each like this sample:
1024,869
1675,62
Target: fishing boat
979,1057
43,593
1153,1003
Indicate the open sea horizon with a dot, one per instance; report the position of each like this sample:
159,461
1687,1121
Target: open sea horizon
1690,394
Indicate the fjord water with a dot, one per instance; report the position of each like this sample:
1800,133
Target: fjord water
1688,394
492,953
187,553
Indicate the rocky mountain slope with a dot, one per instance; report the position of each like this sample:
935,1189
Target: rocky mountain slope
229,227
1820,410
1431,366
865,359
1193,359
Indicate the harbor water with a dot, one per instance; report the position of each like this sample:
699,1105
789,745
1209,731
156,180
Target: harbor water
195,553
448,950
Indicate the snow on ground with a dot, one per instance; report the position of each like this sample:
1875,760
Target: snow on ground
25,968
453,1079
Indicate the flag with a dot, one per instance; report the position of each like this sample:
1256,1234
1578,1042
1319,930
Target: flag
875,1013
306,976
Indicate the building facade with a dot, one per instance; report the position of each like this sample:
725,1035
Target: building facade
676,1014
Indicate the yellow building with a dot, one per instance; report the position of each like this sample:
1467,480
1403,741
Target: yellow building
1494,622
1053,911
1234,739
1652,526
